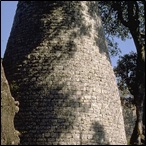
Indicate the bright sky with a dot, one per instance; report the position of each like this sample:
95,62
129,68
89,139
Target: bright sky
8,9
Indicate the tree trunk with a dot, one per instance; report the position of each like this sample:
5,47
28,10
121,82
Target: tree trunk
138,135
57,57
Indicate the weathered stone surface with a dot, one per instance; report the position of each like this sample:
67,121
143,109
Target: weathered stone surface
9,136
129,113
58,65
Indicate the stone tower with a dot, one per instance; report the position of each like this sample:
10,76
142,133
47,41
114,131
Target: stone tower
58,68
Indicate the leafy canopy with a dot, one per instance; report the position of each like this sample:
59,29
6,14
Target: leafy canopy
119,18
126,72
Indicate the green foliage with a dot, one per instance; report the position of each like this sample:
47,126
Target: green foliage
119,18
111,23
126,72
113,48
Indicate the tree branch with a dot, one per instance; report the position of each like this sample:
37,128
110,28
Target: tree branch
130,11
136,16
117,7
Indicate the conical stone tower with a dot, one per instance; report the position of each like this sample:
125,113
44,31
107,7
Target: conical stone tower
58,68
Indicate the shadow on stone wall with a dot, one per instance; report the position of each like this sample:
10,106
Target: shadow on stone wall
23,47
39,109
99,136
100,38
48,116
40,31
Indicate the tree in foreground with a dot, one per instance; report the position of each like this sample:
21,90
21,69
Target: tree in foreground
125,19
126,71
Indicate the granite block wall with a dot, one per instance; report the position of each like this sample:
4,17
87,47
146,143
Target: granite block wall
58,67
9,107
